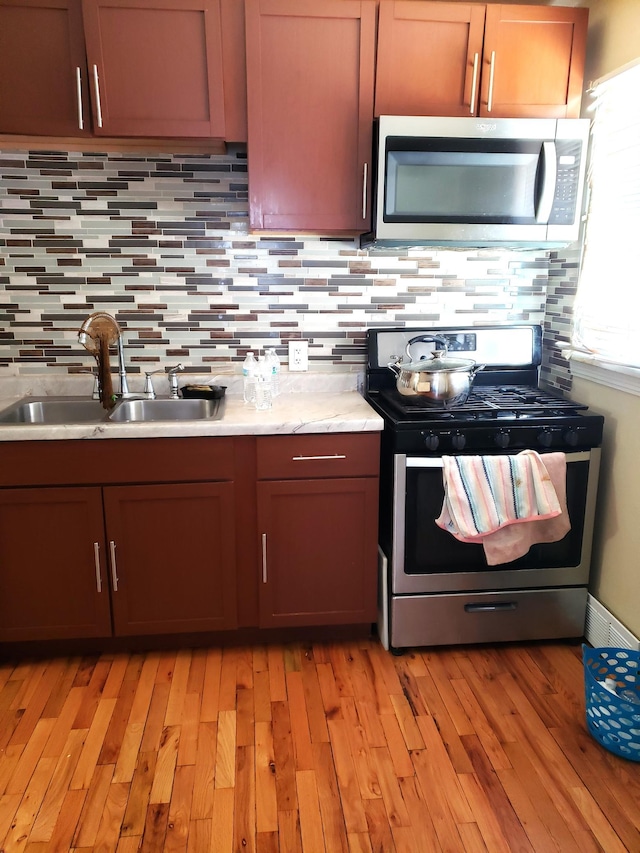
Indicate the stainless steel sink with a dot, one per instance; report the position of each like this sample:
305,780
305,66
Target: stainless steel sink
144,411
54,411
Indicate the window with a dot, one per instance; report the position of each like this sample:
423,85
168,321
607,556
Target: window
607,306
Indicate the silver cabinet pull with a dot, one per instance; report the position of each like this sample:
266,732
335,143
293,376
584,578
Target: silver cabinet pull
474,83
96,558
309,458
365,173
96,85
492,71
264,558
114,568
79,95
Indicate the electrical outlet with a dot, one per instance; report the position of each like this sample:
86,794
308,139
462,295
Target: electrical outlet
298,355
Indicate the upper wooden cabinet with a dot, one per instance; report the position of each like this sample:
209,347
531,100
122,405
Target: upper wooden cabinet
426,54
458,59
118,68
310,73
43,68
533,61
155,67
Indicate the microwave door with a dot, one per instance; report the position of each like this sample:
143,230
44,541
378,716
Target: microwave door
548,187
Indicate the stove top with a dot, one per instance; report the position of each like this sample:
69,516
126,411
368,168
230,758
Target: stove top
484,403
506,408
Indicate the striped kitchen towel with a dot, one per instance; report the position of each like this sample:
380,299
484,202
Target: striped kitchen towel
486,494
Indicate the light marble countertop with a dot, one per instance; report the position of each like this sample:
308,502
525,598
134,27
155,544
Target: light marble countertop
335,405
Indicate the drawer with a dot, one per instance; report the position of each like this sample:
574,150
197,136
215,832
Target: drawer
104,461
291,457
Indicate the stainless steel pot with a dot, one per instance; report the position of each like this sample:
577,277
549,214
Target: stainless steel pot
437,381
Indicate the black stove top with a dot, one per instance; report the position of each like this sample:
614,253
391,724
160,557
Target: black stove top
507,409
484,403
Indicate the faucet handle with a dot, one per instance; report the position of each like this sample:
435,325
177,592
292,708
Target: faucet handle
173,380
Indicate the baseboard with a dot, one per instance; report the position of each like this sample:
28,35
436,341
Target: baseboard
603,629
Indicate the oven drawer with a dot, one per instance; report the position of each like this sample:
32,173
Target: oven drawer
487,617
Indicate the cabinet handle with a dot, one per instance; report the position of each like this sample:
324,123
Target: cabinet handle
309,458
474,83
96,558
365,173
492,71
79,95
264,558
114,568
96,85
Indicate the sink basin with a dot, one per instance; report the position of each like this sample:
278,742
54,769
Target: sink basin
131,411
53,410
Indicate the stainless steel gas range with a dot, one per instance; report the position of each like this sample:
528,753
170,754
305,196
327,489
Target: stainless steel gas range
434,589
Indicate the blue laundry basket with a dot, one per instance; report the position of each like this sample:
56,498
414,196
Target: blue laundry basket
613,719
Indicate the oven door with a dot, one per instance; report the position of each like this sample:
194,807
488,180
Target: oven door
427,559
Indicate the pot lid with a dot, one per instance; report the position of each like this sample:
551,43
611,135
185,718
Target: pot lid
438,364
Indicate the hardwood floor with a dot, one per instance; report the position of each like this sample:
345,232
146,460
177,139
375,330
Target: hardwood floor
321,748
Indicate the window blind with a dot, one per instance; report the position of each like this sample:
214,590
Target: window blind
607,307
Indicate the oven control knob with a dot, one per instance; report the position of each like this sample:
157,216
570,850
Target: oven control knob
502,438
458,441
571,437
545,438
431,441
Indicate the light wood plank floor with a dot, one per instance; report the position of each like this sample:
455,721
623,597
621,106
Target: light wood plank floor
321,748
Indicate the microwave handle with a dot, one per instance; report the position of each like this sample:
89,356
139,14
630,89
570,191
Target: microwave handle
550,163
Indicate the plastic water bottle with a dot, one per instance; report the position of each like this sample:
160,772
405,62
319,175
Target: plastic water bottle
274,362
249,367
263,384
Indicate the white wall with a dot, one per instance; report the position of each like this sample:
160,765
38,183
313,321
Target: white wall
614,40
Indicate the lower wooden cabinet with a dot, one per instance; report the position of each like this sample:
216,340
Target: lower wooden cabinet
165,566
172,557
318,551
318,529
53,575
166,536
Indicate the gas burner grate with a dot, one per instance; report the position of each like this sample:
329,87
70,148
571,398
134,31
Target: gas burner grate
487,402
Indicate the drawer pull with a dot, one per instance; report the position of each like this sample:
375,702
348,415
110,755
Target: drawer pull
114,569
79,96
96,557
264,558
474,85
315,458
491,608
364,190
96,86
492,72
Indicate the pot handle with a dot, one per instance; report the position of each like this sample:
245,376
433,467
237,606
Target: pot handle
425,339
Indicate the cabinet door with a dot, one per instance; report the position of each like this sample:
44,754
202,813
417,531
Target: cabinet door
533,61
155,67
310,70
429,58
43,71
172,557
53,573
318,544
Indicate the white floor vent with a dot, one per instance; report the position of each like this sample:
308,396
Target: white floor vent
603,629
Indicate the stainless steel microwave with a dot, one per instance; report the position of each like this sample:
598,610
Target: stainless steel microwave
477,181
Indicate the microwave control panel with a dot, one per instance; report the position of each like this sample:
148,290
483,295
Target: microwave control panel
568,154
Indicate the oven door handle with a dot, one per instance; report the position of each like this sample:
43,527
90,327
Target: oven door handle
490,608
436,461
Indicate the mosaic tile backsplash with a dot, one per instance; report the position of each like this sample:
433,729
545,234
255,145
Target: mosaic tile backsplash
162,243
